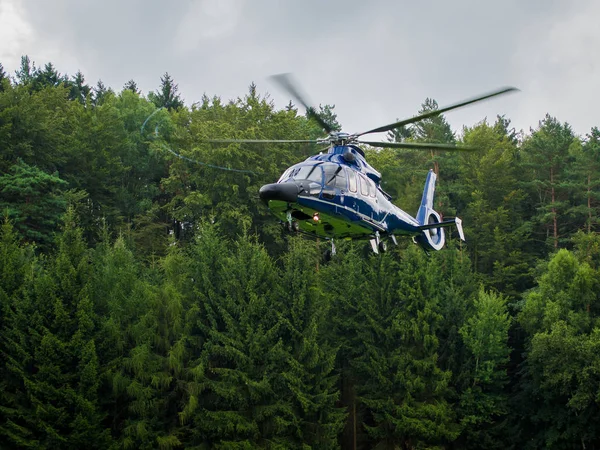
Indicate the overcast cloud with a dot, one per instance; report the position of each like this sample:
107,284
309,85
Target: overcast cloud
376,61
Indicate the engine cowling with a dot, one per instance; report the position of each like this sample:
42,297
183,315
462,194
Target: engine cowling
348,155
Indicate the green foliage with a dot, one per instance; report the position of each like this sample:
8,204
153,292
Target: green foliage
34,200
560,387
53,373
167,96
484,403
3,78
149,300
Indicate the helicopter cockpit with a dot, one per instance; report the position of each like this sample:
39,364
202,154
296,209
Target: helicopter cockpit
322,177
311,172
326,174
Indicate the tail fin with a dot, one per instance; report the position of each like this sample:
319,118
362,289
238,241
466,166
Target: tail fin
427,199
430,221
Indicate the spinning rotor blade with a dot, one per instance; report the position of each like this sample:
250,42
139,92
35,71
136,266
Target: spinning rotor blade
259,141
285,81
418,146
438,111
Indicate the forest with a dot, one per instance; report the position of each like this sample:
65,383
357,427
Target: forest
148,300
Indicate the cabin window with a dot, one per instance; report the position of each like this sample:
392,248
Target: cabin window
341,180
364,186
351,180
372,188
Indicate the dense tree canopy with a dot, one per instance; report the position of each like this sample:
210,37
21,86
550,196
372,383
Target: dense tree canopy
149,300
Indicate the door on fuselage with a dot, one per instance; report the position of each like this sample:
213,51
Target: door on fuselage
368,206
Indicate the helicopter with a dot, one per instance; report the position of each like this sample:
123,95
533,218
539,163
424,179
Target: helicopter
337,194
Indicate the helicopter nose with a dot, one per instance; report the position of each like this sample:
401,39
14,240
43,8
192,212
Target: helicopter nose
286,192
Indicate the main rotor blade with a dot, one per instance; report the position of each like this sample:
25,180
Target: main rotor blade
439,111
285,81
418,146
259,141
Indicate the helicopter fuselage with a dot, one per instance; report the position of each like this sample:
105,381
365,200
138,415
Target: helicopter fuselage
337,195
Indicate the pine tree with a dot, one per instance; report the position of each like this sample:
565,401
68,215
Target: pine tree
15,261
51,353
556,406
309,370
483,404
402,384
100,93
329,116
547,157
235,400
583,175
131,85
3,78
488,193
26,72
79,90
167,96
48,77
35,201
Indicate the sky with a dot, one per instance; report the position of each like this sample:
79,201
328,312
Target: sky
376,61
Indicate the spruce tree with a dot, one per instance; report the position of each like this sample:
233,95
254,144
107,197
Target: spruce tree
167,96
79,90
35,201
3,78
131,85
309,376
51,353
235,399
26,72
402,385
483,405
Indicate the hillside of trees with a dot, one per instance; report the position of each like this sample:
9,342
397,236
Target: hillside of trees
149,300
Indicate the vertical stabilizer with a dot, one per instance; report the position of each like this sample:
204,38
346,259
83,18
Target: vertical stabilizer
427,200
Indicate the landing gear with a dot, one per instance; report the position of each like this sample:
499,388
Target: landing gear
290,224
329,253
380,246
293,226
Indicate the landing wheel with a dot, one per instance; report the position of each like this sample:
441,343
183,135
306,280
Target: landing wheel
293,226
382,247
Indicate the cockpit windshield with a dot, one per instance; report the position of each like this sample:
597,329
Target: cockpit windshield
335,176
311,172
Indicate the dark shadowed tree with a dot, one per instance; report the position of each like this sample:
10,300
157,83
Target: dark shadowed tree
132,86
3,76
26,71
100,92
167,96
547,161
79,90
330,117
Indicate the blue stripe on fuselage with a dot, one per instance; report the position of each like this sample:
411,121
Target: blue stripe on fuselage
377,214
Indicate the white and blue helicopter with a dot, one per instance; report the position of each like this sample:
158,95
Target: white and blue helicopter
338,195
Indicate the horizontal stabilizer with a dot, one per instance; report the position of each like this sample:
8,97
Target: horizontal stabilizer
446,223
